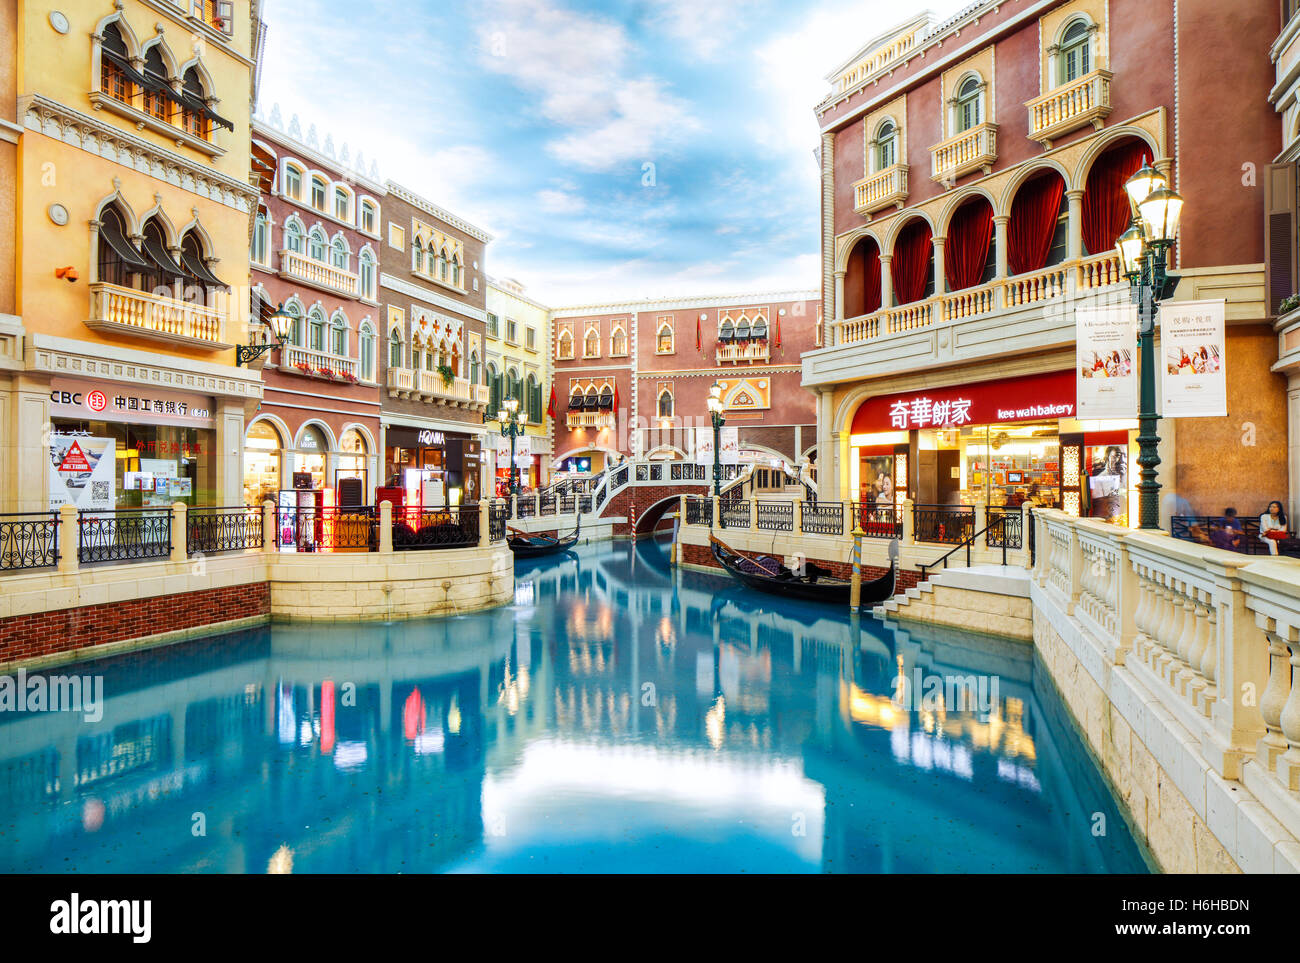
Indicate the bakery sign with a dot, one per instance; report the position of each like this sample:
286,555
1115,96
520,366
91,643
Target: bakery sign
135,404
1040,397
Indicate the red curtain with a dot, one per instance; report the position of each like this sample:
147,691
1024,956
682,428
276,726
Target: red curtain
1105,204
911,265
862,280
967,249
1033,222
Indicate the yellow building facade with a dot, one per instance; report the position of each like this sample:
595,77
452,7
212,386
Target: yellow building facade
518,366
133,215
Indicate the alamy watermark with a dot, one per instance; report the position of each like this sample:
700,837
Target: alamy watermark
953,693
53,693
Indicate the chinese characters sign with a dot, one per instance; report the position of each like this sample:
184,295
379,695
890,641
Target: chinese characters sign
1030,398
143,404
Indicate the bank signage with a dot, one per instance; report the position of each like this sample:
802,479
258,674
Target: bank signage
133,404
1041,397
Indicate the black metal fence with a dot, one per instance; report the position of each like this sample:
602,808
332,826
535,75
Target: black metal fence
546,503
684,471
353,529
29,540
498,514
210,531
699,510
879,519
124,535
735,513
774,516
823,518
945,524
525,506
1005,527
453,527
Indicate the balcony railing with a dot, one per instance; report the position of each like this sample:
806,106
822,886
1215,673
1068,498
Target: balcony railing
127,311
482,394
299,267
971,150
589,419
1069,107
317,364
429,386
881,189
744,351
1070,278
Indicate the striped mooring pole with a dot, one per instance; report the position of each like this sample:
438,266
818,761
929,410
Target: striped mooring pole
855,585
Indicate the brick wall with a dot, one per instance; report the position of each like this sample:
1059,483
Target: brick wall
907,578
31,636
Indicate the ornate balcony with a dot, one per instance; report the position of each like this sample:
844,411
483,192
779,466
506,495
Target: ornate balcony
429,386
482,393
971,150
1069,107
119,310
737,351
589,419
318,364
316,274
881,189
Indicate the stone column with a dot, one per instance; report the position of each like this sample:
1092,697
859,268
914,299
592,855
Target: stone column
839,295
68,540
909,523
270,530
386,527
180,532
1074,246
1293,443
24,445
1000,254
484,523
886,281
939,242
230,451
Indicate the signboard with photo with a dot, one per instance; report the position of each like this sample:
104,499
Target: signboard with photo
1105,368
704,446
1192,348
729,444
82,472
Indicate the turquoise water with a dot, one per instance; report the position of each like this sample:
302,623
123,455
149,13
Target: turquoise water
620,716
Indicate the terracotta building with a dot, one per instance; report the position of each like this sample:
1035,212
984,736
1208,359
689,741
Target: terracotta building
972,175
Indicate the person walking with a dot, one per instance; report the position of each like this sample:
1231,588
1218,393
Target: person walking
1272,526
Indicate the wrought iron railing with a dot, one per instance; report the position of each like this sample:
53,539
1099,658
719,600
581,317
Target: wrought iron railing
29,540
498,514
879,520
213,530
699,510
1005,527
124,534
619,477
735,514
945,524
546,503
525,507
451,527
329,529
824,518
774,516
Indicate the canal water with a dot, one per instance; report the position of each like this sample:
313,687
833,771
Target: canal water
620,716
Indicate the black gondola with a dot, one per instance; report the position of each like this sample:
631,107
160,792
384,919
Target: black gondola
530,546
816,583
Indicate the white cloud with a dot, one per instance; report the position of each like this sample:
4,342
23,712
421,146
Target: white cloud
705,26
560,202
643,119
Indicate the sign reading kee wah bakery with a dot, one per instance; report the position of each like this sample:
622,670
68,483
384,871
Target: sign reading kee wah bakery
1038,397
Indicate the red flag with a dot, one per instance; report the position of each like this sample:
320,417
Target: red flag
550,409
699,345
616,397
778,329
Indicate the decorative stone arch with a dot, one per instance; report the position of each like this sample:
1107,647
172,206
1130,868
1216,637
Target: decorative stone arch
170,234
340,236
1054,49
330,440
1104,141
286,436
367,249
366,199
849,241
779,455
675,453
195,225
952,97
873,143
958,200
898,225
558,460
364,432
205,77
168,58
133,47
1025,175
133,225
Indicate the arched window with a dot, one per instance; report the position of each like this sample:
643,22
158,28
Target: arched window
664,339
339,335
618,343
261,249
534,398
193,119
417,257
120,262
473,367
316,329
155,102
968,104
293,236
200,282
341,201
339,253
592,348
886,146
728,331
367,262
564,346
316,244
455,270
514,385
296,334
113,64
164,274
665,404
395,349
1075,53
742,329
293,182
369,219
366,339
494,389
318,193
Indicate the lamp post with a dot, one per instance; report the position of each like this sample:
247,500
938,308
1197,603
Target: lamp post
715,413
1143,257
280,324
511,422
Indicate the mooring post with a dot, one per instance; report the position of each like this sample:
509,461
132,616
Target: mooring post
855,585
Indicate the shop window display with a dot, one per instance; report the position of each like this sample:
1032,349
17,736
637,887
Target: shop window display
262,459
155,465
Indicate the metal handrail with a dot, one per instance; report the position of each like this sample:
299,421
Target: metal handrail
966,544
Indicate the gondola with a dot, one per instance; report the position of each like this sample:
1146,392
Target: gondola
530,546
768,574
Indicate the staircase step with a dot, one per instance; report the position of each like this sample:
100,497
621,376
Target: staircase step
913,593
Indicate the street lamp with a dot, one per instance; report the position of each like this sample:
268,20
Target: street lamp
715,412
280,323
511,421
1143,257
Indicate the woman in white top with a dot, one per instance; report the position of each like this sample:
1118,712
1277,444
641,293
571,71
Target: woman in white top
1272,526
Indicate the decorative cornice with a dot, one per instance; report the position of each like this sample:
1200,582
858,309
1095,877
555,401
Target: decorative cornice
432,209
336,168
431,297
112,143
682,304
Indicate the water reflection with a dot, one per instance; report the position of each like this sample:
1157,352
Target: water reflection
620,716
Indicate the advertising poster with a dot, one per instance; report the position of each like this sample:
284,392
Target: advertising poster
729,442
1194,378
704,446
83,472
1105,362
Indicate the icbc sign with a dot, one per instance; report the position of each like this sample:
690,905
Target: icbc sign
96,401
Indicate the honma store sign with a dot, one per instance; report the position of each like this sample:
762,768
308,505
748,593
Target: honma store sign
1039,397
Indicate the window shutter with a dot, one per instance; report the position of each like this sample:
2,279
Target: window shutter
1280,237
226,11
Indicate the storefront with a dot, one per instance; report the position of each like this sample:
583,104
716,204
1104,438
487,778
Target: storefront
998,443
119,446
431,467
263,458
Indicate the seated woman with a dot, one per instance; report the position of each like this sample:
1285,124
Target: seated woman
1272,526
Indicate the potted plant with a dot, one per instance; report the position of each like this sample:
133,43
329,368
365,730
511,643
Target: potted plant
1289,304
349,377
305,368
448,376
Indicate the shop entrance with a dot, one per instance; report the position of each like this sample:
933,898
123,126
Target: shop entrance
1001,465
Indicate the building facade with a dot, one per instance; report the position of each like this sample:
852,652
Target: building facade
518,366
972,175
133,214
633,379
433,296
315,253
